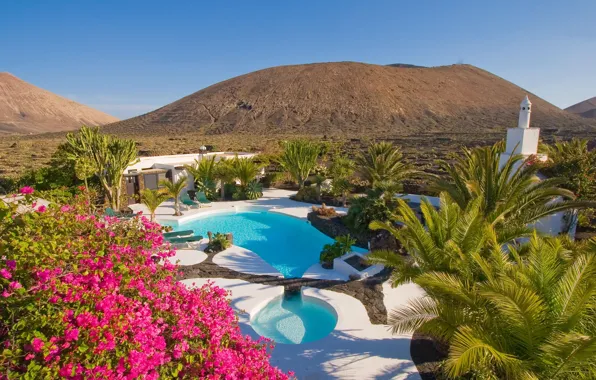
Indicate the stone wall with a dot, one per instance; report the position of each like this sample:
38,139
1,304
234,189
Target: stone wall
334,227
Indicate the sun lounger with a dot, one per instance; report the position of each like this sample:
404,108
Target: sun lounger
175,234
185,199
202,198
184,241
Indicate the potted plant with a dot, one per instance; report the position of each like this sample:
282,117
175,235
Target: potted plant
341,246
218,243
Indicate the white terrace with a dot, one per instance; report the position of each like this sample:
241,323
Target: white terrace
356,349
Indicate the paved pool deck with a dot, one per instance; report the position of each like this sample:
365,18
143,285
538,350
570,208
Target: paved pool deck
356,349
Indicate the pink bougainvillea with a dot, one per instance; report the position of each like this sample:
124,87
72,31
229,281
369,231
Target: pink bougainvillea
26,190
83,298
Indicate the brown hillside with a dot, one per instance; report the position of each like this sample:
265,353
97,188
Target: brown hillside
25,108
587,108
348,99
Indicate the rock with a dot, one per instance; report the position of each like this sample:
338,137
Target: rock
384,240
334,227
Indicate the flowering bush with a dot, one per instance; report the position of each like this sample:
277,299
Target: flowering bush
83,298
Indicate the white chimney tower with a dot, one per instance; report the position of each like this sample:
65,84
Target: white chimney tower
523,139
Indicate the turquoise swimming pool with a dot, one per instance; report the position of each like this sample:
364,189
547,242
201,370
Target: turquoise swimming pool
288,244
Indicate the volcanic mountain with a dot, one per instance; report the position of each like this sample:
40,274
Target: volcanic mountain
587,108
25,108
348,98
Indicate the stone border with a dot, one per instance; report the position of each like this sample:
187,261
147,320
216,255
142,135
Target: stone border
368,291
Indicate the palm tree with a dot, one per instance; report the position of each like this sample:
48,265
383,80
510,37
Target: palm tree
299,158
245,170
173,189
152,199
341,170
203,172
538,321
109,155
447,241
341,167
224,172
382,162
512,192
505,312
573,161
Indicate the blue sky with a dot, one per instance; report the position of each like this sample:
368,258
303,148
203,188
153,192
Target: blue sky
130,57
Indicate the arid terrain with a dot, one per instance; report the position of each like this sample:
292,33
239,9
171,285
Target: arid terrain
587,108
429,112
25,108
345,99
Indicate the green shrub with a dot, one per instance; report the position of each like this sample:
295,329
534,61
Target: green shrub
273,178
218,243
342,245
207,186
254,190
306,194
61,195
364,210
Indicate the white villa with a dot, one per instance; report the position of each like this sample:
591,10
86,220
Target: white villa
148,171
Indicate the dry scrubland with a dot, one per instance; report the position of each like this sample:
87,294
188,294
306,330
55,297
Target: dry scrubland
19,153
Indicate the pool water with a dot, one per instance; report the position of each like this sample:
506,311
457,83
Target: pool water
288,244
294,320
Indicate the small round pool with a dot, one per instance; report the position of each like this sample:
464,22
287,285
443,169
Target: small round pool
295,319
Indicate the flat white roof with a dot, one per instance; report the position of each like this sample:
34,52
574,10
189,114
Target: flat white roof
182,159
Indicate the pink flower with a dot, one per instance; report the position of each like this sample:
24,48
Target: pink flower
37,344
65,208
5,273
15,285
26,190
11,264
42,208
71,335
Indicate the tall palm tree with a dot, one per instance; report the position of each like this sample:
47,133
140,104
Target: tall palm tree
383,162
152,199
512,192
299,158
174,189
224,172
